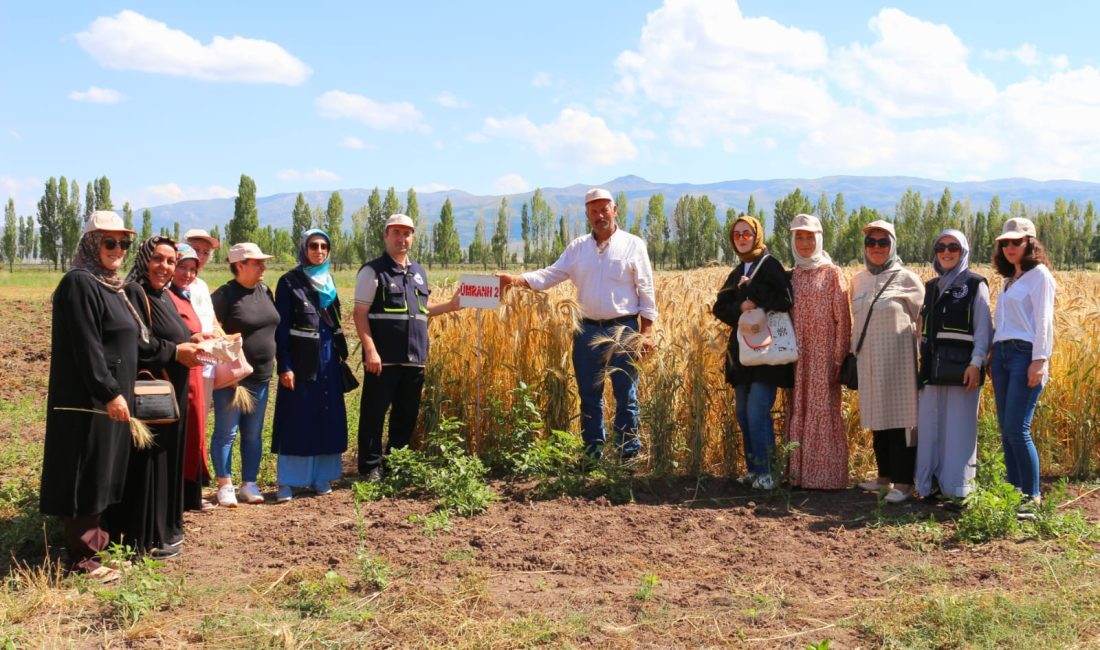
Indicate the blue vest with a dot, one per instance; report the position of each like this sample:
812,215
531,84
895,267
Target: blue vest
399,312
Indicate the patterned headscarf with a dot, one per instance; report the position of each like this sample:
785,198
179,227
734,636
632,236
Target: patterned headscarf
87,259
318,274
758,240
947,278
183,252
140,271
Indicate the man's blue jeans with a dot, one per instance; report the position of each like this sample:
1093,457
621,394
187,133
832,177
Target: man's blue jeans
227,421
1015,408
754,415
590,368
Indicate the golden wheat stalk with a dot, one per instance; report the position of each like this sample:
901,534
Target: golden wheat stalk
139,431
243,400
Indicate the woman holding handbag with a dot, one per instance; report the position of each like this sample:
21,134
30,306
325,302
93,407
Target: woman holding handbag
150,516
886,301
759,281
823,325
245,306
956,331
310,431
1022,346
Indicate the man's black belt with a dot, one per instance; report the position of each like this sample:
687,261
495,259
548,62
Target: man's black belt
608,321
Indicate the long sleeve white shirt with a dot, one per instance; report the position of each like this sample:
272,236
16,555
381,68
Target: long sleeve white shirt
204,309
617,281
1025,311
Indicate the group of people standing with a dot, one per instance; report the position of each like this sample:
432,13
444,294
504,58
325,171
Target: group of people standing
109,331
106,329
921,350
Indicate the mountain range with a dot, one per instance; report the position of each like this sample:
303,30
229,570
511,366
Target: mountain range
880,192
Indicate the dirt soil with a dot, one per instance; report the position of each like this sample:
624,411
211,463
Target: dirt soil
732,568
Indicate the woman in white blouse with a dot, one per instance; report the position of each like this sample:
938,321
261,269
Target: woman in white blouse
1022,345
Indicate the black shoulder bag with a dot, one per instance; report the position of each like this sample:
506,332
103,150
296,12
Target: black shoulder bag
849,374
154,399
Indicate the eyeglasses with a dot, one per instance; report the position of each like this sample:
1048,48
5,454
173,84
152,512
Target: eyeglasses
318,246
110,242
953,247
743,234
881,242
1012,243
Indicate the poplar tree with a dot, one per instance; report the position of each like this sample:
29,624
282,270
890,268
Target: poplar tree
525,230
11,234
392,205
103,194
127,216
246,218
500,235
420,242
334,226
786,209
299,219
376,223
71,220
479,250
728,252
49,223
656,230
147,224
446,245
359,245
89,200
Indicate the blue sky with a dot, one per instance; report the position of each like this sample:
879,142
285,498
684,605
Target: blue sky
174,101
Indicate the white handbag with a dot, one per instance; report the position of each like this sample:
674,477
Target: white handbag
779,349
765,338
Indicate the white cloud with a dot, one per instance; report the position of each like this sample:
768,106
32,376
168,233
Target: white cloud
642,133
914,69
447,100
511,184
130,41
1028,55
476,138
542,80
397,116
310,175
153,195
97,95
725,73
352,142
428,188
25,191
574,138
15,135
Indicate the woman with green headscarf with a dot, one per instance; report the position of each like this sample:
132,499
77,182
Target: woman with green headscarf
758,281
310,431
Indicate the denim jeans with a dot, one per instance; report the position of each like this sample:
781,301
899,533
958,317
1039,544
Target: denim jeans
228,421
1015,408
754,415
588,364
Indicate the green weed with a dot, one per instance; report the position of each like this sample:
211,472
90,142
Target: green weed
316,597
142,590
374,572
646,586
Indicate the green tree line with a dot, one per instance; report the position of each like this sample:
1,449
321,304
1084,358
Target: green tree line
689,235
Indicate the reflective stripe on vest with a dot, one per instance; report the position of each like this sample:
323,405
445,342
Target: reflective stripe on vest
402,316
306,334
955,336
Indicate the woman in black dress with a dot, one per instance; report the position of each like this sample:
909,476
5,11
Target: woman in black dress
150,516
93,360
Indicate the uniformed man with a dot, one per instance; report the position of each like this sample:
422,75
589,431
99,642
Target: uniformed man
391,319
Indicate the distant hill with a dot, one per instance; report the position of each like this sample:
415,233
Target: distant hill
880,192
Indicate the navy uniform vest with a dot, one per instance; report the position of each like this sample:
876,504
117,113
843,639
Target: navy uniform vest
399,312
947,320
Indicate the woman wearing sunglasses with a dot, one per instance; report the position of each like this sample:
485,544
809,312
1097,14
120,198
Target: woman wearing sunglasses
93,363
310,431
1022,345
758,281
886,300
956,331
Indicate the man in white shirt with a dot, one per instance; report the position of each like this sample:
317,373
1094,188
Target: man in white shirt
614,280
204,246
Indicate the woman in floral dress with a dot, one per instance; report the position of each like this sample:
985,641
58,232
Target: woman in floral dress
822,325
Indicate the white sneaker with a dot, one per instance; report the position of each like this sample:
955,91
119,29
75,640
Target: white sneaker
764,482
897,496
250,493
227,496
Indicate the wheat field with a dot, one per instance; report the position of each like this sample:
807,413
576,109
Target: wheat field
688,423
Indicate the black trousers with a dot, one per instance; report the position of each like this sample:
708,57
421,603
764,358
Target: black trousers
894,458
398,387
